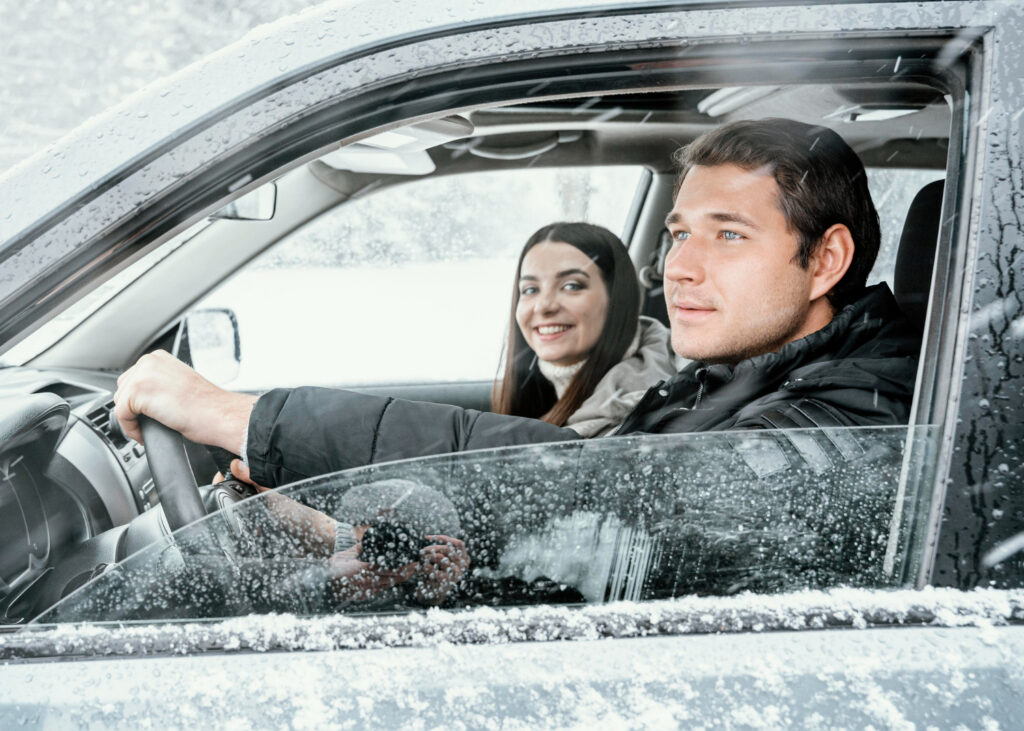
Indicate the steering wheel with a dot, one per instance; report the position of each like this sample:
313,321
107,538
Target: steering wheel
180,497
172,476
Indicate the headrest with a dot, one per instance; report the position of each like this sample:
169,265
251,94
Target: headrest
916,255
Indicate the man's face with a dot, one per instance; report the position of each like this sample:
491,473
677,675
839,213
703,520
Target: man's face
733,282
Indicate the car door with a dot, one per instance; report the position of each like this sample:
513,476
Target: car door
955,493
764,585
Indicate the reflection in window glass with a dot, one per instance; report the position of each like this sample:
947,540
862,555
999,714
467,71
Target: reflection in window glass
631,518
407,284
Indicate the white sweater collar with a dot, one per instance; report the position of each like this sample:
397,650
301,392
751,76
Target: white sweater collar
560,376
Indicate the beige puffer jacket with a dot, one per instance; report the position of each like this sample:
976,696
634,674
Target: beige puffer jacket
648,359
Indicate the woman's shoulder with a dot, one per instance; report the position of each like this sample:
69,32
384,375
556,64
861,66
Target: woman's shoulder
653,349
649,360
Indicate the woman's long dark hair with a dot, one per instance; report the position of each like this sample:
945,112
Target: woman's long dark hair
522,390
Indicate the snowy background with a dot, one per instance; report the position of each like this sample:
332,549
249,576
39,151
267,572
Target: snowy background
63,62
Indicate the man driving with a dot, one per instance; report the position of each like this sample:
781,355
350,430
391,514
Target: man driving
774,234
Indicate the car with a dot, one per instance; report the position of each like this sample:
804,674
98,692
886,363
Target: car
338,200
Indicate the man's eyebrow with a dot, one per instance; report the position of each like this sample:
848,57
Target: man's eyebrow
721,217
733,217
671,218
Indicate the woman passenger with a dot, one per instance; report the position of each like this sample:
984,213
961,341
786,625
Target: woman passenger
578,352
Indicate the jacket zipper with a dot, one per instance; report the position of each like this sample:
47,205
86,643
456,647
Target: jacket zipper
701,380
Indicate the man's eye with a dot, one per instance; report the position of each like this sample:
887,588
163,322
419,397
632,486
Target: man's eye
731,236
681,235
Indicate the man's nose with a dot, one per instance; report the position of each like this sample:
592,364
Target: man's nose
685,262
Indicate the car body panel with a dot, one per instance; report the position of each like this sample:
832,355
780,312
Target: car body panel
735,662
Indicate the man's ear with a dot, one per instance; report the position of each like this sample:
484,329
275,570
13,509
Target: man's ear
830,260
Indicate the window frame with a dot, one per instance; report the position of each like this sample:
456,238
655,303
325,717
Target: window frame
971,32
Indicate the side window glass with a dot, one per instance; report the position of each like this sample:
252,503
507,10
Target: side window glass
633,518
893,189
410,284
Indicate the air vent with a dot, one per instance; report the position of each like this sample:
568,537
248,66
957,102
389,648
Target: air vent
100,418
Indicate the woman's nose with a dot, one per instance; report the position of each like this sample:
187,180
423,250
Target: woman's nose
548,302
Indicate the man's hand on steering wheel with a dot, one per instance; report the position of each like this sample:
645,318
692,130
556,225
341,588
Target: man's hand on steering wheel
165,389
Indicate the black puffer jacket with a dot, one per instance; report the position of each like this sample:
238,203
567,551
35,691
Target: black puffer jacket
857,371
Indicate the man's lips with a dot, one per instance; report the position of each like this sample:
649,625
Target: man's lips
691,311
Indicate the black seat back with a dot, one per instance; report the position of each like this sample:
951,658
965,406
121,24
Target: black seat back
652,282
916,255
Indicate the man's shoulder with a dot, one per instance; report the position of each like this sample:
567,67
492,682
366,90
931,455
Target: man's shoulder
873,324
861,371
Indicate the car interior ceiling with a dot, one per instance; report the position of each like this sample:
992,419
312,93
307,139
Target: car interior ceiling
889,124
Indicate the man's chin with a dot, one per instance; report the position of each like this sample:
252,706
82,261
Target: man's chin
707,354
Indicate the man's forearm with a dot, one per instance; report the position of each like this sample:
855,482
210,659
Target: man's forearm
302,432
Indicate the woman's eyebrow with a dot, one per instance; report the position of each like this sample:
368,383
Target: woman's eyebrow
560,275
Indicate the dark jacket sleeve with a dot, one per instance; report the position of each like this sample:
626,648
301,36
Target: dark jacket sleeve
302,432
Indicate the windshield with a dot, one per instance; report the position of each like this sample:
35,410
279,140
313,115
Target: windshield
635,518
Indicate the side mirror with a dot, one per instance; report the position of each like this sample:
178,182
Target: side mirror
256,205
208,340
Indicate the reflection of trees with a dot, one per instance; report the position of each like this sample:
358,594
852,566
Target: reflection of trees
481,215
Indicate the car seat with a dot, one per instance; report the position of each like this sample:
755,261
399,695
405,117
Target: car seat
915,257
652,282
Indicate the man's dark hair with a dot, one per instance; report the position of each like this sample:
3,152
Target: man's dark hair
821,183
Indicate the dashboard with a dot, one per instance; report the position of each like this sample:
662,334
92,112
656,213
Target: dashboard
68,482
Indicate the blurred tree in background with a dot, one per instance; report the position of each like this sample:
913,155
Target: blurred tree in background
63,62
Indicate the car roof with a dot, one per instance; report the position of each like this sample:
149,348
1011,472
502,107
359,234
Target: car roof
209,108
266,57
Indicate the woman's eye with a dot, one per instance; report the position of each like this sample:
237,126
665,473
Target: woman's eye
731,236
573,286
527,290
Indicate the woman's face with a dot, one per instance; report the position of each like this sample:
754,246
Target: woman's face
563,302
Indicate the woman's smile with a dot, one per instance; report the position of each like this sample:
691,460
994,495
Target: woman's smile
551,332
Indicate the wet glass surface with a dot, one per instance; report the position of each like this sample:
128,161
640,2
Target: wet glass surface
634,518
